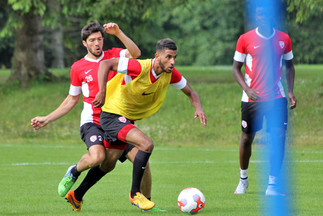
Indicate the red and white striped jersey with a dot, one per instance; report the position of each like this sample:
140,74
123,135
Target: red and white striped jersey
263,58
84,79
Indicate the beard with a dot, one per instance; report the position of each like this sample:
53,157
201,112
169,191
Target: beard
93,53
163,67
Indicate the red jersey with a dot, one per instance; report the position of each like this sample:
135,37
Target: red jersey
84,79
263,62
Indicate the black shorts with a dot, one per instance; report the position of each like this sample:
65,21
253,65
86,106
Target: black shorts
92,134
253,113
115,127
123,156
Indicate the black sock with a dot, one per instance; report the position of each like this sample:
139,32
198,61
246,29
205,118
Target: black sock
75,173
92,177
139,166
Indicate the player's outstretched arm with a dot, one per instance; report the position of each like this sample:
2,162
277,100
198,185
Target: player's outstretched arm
196,102
66,106
132,49
290,77
104,68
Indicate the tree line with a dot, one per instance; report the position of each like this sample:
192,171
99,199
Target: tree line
42,34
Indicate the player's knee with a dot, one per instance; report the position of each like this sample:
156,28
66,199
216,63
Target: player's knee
148,145
246,140
96,160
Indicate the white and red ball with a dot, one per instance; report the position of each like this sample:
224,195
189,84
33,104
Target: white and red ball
191,200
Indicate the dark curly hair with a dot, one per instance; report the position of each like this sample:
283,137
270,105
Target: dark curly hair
91,28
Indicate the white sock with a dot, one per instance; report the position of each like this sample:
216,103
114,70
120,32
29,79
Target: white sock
243,173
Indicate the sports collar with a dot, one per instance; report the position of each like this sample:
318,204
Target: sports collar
153,71
264,37
94,60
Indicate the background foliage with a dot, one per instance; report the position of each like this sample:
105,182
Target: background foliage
205,31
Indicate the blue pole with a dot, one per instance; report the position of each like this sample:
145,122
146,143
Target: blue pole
269,14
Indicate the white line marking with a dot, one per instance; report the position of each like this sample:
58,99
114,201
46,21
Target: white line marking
157,149
160,162
160,148
39,146
37,164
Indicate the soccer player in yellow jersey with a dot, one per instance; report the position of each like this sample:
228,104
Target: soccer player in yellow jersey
84,81
136,90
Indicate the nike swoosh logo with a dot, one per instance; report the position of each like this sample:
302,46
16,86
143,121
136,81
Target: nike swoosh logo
86,72
256,47
76,206
144,93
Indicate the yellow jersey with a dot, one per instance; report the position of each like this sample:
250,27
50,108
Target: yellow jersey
139,98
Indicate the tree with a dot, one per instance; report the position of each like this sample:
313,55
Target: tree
205,31
28,57
55,32
6,45
306,34
29,17
304,7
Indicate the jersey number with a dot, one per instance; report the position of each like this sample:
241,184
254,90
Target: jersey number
89,78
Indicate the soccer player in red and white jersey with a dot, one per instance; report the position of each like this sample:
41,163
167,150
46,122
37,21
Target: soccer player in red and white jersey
137,91
264,51
84,79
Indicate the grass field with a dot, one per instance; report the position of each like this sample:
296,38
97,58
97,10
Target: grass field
186,154
30,174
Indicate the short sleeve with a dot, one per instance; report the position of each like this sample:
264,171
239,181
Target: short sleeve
75,81
240,53
288,54
177,80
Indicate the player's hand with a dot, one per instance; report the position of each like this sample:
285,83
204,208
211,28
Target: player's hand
253,94
111,28
202,117
292,100
99,100
39,122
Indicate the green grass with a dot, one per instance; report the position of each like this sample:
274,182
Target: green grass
30,174
186,153
4,74
220,96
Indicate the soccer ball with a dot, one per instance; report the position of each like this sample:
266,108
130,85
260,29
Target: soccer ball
191,200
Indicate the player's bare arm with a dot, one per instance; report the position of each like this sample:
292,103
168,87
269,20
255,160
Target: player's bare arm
104,68
65,107
237,73
290,77
132,49
196,102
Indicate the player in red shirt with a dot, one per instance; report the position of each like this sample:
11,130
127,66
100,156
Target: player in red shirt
264,51
84,80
